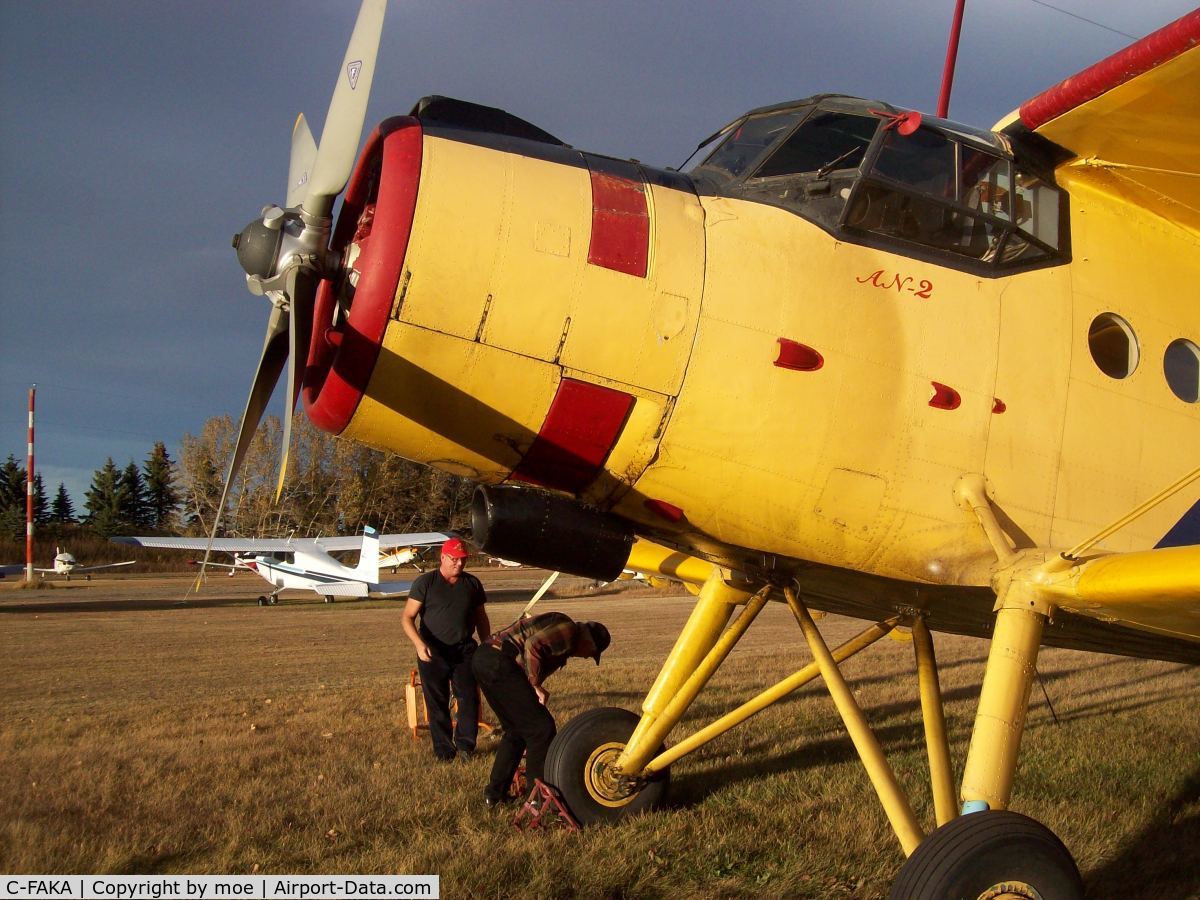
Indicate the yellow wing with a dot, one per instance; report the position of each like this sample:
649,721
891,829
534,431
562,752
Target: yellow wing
1151,590
1130,122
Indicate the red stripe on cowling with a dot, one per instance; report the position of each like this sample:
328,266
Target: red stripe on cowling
580,429
1153,50
620,224
341,359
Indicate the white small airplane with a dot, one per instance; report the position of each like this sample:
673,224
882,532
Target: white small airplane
306,563
404,556
503,563
64,565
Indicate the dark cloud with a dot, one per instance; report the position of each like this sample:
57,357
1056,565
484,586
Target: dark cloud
137,137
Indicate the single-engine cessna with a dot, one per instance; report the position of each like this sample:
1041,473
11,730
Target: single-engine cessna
305,563
65,566
857,359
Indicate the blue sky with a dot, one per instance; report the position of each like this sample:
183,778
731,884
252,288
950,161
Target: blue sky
137,137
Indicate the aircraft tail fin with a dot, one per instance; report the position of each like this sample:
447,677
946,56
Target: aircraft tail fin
368,561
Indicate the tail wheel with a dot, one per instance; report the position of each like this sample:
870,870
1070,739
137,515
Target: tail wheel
992,855
580,764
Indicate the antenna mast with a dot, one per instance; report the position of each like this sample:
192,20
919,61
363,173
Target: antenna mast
29,498
943,107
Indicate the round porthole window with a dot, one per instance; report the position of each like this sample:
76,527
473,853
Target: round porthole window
1113,345
1181,365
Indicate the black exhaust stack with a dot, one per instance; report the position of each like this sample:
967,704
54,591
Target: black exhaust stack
549,531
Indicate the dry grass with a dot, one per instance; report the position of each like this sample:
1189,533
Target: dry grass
140,737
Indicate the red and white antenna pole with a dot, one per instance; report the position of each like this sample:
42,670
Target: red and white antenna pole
951,56
29,493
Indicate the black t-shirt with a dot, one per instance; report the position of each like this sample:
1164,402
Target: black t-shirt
447,610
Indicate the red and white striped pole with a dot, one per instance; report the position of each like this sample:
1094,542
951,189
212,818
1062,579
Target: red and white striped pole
29,494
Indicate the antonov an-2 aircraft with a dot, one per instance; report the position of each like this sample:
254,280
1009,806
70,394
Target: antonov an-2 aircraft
305,563
858,359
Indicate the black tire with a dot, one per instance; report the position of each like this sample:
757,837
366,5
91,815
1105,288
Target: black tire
572,766
976,853
262,601
328,599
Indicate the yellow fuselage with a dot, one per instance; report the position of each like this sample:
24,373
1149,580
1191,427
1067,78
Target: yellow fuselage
848,463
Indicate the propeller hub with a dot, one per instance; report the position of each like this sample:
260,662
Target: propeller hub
257,247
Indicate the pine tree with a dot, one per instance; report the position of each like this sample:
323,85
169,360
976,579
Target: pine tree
104,500
12,498
133,507
162,497
12,484
41,506
62,510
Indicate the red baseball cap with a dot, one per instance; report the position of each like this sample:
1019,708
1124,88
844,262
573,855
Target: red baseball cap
456,548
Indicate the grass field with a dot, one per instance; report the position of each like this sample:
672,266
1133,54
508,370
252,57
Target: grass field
140,736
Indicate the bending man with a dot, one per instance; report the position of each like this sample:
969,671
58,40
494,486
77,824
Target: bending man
511,667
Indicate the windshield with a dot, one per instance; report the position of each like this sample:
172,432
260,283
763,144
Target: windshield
826,141
747,141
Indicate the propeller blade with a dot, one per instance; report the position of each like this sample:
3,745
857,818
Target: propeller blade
304,154
302,288
270,364
347,111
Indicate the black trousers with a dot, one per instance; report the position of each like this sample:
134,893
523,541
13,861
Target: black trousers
450,667
528,725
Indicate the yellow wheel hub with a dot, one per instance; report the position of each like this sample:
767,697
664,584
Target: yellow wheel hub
1011,890
603,784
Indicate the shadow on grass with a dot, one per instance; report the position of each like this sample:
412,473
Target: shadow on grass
103,606
694,788
1159,861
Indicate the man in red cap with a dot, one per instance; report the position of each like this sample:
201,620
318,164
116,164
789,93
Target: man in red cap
451,605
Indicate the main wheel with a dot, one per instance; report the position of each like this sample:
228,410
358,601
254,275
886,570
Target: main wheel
262,601
328,598
989,856
579,763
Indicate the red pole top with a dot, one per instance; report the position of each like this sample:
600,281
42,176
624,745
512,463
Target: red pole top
943,107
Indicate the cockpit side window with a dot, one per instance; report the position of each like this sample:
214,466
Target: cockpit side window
924,161
933,190
825,141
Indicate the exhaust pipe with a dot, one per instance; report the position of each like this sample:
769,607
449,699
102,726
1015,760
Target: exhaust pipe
549,531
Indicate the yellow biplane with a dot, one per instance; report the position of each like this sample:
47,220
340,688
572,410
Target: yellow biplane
857,359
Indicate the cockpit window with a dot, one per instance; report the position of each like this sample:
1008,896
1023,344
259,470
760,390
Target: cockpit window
1036,208
921,186
984,182
825,141
930,189
748,140
923,160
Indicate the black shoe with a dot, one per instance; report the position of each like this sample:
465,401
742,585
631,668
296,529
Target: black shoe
491,801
